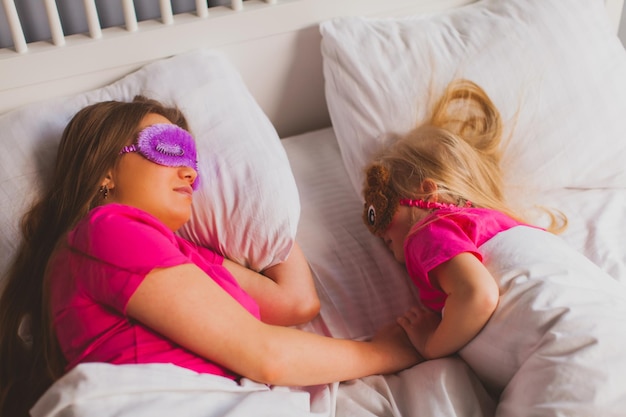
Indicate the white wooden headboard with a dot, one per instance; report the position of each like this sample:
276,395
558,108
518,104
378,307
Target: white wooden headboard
274,44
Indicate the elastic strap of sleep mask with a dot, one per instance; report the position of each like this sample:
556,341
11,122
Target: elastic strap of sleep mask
166,144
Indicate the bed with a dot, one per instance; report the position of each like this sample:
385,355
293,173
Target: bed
287,100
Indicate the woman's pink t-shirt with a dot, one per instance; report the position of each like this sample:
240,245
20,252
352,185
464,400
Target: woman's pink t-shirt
94,274
442,235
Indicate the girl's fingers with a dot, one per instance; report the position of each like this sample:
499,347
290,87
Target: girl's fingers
414,313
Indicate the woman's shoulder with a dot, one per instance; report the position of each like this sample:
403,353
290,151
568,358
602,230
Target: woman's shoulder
120,215
112,222
124,235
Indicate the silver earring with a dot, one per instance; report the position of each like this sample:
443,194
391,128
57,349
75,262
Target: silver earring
104,190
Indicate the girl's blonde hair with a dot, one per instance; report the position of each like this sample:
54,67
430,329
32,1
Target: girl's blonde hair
89,148
458,148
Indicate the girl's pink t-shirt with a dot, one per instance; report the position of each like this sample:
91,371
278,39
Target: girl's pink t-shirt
442,235
94,274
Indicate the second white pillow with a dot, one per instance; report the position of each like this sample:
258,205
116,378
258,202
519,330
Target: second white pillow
554,69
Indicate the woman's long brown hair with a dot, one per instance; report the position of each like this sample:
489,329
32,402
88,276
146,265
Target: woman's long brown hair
89,148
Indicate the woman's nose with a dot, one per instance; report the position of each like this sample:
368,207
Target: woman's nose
189,174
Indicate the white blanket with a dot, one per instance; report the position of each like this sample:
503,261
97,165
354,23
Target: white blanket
444,387
556,344
99,390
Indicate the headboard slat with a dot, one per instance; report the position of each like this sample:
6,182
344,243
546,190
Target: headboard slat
19,41
202,8
237,5
130,16
167,16
54,20
91,13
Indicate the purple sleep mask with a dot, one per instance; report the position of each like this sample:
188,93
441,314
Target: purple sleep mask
166,144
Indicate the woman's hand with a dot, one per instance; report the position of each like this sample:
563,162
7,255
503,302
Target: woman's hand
395,339
419,324
285,292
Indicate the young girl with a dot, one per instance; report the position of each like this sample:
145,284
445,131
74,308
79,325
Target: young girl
435,196
101,276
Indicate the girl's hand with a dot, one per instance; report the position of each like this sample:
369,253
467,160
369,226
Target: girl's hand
393,338
419,324
472,297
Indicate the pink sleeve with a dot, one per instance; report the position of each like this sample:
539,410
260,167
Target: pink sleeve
435,243
122,246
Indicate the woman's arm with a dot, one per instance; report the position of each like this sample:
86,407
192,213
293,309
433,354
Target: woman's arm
288,297
473,296
183,305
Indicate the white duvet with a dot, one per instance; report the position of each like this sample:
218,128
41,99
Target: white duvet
154,390
99,390
556,344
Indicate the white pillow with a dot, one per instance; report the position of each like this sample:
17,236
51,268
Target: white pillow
557,62
360,285
247,206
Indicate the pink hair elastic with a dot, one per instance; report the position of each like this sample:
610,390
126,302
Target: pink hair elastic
430,205
166,144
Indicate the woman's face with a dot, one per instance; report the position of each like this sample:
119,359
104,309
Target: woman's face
163,191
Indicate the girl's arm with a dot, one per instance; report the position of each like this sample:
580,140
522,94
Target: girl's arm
183,305
288,297
473,296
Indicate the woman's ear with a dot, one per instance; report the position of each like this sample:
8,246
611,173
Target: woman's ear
108,181
429,188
